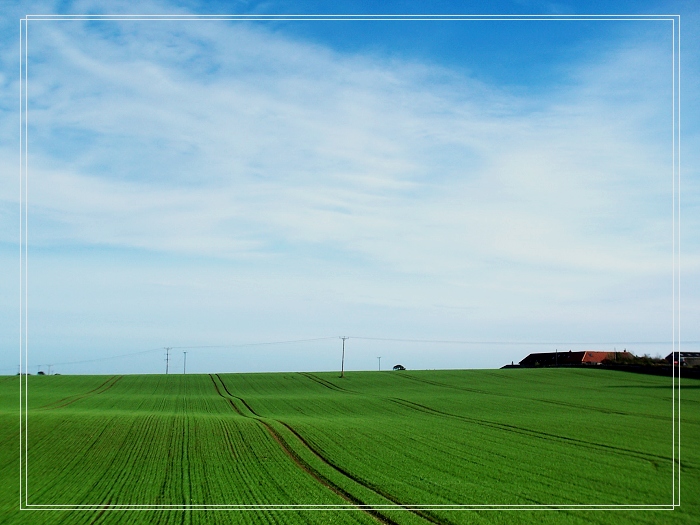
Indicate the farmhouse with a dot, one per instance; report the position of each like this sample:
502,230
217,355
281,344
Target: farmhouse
685,358
586,357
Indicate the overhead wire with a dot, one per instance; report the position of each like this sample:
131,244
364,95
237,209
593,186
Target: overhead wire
517,343
365,338
106,358
238,345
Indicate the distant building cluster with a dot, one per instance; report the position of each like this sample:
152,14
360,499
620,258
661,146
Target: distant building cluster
684,358
597,357
590,357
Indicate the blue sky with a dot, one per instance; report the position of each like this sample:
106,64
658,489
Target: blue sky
216,183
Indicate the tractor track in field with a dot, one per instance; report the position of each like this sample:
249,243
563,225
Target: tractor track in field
445,385
326,384
359,481
601,410
548,401
302,464
185,462
230,401
525,431
167,476
102,388
499,426
100,513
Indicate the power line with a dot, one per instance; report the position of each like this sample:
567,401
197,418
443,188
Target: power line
238,345
388,339
151,350
106,358
519,343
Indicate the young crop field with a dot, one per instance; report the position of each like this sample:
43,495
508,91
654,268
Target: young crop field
389,447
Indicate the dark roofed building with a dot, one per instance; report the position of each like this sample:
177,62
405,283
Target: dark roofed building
685,358
590,357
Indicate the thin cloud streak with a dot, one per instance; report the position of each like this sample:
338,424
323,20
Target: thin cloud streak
343,159
387,183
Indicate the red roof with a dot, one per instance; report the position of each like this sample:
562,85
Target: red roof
590,356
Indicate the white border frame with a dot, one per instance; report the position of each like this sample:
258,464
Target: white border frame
23,238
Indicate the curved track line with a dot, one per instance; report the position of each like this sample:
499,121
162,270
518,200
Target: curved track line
602,410
230,401
236,397
104,387
325,383
325,481
548,401
454,387
378,491
301,463
525,431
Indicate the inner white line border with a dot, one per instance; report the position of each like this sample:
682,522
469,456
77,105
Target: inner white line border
23,251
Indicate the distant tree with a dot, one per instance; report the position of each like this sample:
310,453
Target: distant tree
41,373
627,358
399,367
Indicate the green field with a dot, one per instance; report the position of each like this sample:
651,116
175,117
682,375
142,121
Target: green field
387,445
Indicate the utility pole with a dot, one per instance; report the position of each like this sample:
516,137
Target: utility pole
380,363
50,369
342,362
184,367
556,357
167,358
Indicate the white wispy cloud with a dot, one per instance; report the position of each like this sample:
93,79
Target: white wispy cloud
387,182
319,147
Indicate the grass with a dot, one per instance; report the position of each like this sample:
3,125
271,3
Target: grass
405,439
